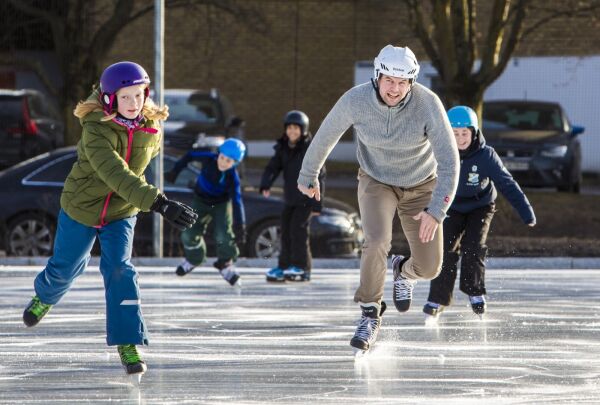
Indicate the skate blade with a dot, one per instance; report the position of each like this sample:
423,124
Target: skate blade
359,353
431,321
135,379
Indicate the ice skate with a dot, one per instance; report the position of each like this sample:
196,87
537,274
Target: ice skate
296,274
135,367
35,311
478,305
184,268
432,312
275,275
367,329
403,287
228,272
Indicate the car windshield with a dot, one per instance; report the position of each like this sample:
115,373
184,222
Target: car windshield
11,111
522,117
194,108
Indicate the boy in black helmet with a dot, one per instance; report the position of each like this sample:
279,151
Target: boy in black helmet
295,257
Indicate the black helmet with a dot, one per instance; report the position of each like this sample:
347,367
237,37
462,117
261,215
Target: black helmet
297,117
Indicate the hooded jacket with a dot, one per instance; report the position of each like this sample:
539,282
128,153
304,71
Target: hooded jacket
289,160
481,172
107,181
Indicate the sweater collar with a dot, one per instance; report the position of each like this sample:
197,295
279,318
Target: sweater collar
378,101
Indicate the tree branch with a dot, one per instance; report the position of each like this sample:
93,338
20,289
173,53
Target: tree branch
495,34
511,44
420,29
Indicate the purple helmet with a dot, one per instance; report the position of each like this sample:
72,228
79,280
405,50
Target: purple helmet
117,76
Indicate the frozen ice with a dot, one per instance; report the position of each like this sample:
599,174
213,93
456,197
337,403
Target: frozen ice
289,343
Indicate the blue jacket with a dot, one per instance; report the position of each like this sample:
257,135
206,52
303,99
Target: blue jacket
481,172
214,186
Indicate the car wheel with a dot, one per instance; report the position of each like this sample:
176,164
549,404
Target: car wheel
265,239
30,235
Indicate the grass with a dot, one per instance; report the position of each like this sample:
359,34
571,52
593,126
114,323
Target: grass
567,225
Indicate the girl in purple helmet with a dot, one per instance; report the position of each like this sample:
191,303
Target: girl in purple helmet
100,200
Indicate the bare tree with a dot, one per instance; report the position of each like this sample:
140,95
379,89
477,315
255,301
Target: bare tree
82,36
470,51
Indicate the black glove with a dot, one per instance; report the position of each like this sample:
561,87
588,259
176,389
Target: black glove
240,235
181,216
170,176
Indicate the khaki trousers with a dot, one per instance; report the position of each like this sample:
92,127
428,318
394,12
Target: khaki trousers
378,204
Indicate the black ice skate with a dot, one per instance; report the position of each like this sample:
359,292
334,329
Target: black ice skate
432,312
131,360
228,272
184,268
478,305
35,311
367,329
403,287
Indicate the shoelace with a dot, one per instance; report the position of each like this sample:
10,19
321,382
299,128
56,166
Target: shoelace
129,354
39,308
367,328
403,289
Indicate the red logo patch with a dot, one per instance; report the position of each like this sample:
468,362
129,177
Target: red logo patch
446,199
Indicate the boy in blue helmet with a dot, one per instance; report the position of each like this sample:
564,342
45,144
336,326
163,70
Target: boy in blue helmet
217,188
470,215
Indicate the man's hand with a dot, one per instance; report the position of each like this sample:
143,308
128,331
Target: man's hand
428,226
313,191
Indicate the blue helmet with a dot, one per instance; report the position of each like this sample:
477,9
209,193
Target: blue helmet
233,149
462,116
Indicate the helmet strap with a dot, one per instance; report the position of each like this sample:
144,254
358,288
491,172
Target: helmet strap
109,102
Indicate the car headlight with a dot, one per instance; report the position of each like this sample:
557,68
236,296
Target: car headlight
556,151
335,220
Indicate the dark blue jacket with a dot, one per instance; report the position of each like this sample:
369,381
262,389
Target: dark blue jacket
289,160
481,172
214,186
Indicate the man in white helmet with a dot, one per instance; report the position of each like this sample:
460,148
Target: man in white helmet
408,164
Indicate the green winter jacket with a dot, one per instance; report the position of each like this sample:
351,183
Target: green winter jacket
107,182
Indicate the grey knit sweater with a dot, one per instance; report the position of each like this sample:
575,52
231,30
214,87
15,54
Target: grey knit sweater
402,146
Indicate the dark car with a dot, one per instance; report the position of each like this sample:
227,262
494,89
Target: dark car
30,201
199,119
536,142
29,125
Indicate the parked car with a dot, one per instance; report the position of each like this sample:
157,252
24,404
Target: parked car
199,119
30,201
536,142
29,125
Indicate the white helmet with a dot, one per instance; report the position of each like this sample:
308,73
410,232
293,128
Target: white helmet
396,61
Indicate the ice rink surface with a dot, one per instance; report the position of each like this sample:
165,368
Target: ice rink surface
289,343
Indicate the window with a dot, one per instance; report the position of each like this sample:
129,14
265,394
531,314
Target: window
52,173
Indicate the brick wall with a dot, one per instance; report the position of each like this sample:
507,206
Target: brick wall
305,59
